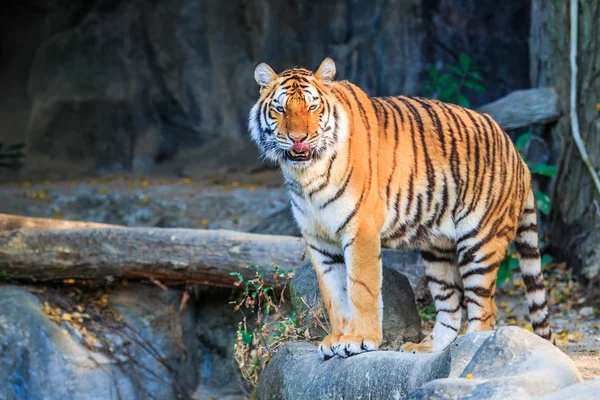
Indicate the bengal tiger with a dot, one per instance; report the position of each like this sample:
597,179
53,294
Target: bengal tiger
401,172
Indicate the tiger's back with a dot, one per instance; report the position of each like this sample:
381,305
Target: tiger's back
403,172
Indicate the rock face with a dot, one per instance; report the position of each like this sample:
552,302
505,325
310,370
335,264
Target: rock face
509,363
160,353
110,85
401,321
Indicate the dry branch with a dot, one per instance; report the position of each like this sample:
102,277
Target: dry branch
523,108
168,255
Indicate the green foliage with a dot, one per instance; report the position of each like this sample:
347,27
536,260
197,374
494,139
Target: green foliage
11,156
271,325
449,86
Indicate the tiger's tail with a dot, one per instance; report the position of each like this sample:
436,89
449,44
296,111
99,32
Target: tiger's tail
526,242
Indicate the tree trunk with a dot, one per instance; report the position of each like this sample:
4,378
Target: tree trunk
575,216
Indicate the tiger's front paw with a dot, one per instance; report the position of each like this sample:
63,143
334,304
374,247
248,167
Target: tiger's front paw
350,345
325,349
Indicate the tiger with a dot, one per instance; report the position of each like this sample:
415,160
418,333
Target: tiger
399,172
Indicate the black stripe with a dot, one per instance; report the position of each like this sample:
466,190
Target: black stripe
479,291
534,307
336,259
443,284
431,257
355,281
340,191
440,297
449,326
430,108
481,270
527,228
527,251
449,310
352,214
533,283
428,165
324,252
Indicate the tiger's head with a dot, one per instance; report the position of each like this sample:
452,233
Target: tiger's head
296,120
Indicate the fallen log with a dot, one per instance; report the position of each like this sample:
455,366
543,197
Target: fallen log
170,255
10,222
524,108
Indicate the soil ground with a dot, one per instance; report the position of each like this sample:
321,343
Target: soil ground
240,202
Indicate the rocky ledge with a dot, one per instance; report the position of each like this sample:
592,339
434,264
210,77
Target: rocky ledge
509,363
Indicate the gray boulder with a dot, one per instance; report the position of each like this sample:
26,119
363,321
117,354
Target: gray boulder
589,390
401,320
158,353
509,363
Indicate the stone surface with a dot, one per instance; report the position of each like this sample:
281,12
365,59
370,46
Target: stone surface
509,363
135,85
159,354
279,223
401,320
589,390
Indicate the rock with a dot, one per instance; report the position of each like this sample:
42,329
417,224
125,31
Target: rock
401,320
588,390
509,363
158,354
215,331
164,85
586,312
279,223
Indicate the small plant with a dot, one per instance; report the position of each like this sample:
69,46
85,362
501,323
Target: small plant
449,86
11,156
272,324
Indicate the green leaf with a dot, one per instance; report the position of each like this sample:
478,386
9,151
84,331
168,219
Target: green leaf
447,94
456,70
465,61
247,337
513,263
433,72
503,273
522,141
445,80
475,86
543,169
546,259
542,202
462,101
475,75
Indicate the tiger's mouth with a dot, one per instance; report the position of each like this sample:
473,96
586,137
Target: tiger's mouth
299,152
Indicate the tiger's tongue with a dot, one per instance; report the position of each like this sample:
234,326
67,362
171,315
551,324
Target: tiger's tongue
300,147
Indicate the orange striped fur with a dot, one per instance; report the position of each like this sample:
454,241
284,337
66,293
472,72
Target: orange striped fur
402,172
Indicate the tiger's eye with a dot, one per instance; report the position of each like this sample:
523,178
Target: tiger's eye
279,109
313,107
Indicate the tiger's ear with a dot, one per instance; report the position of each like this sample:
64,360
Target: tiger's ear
264,75
326,71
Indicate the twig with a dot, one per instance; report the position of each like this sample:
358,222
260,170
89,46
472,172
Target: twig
184,300
574,120
159,284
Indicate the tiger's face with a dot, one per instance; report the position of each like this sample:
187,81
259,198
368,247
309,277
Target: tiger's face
294,120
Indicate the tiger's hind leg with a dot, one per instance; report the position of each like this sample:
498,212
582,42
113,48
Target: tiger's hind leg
480,253
444,283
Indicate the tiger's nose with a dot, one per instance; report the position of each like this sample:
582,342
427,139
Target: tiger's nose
298,137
